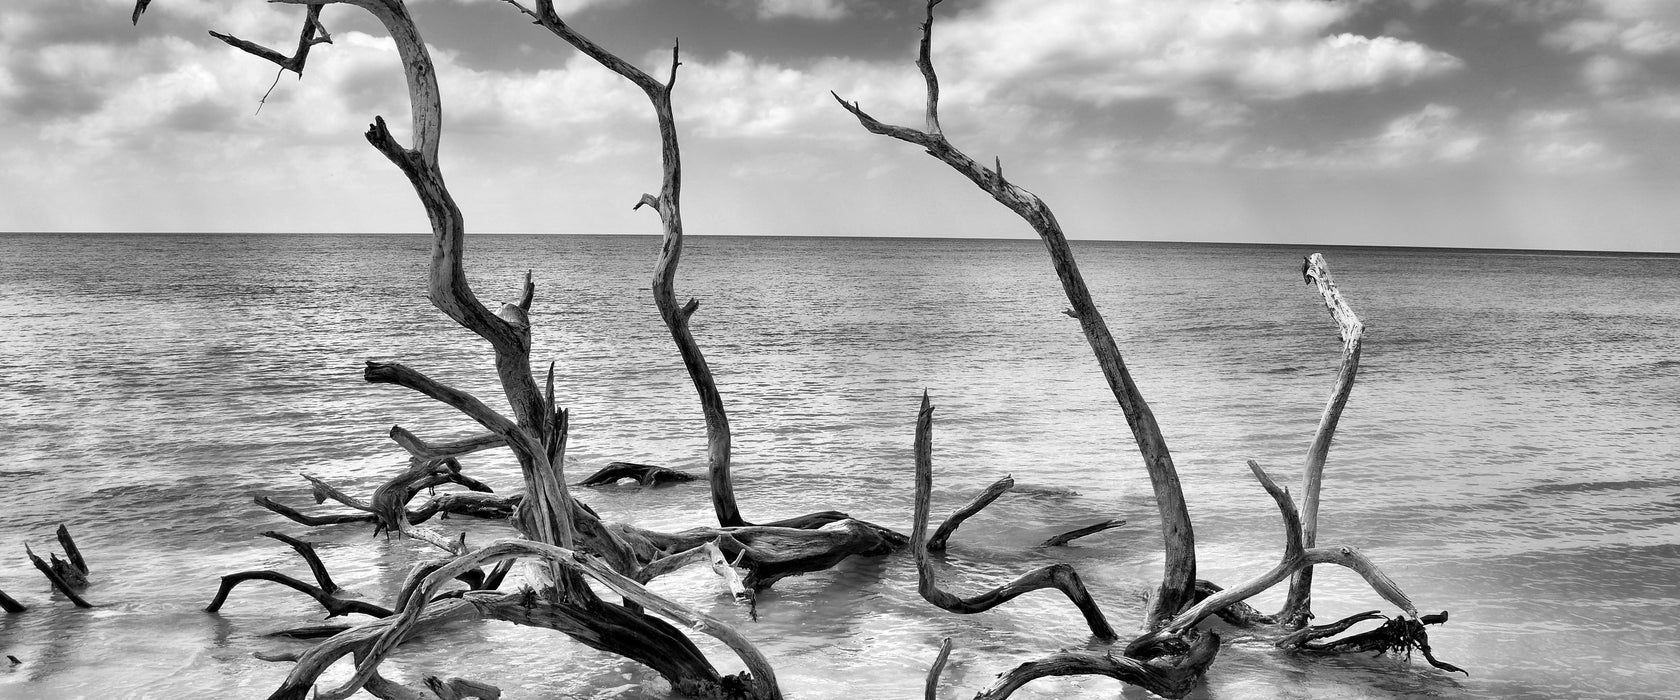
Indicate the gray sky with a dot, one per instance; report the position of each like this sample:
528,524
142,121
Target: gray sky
1482,123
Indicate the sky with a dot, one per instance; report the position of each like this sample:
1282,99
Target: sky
1545,124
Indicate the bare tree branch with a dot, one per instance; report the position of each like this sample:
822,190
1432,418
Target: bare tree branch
1059,576
1178,579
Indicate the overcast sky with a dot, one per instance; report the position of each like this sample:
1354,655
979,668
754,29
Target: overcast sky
1484,123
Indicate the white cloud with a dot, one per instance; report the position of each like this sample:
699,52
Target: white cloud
1562,141
1130,49
826,10
1435,134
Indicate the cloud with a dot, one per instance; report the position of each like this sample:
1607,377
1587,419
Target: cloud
1436,134
1563,141
826,10
1143,49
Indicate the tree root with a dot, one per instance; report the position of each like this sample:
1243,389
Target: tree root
1171,674
1399,635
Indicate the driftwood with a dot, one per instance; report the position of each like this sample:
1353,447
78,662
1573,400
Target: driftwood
1168,676
1059,576
1295,558
387,506
324,591
1178,577
1395,635
1071,535
67,575
1297,608
557,596
1174,648
10,605
644,474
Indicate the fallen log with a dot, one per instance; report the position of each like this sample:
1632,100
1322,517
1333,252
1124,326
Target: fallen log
1071,535
644,474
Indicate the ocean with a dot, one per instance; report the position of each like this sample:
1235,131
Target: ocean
1511,452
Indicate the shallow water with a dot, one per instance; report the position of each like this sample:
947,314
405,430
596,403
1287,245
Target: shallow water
1508,455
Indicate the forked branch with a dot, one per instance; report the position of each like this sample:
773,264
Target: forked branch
1058,576
1295,558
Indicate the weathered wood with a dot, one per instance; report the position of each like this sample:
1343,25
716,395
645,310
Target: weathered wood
439,450
315,661
936,542
461,688
1059,576
644,474
607,627
1071,535
1397,635
669,206
71,551
930,689
307,551
334,605
10,605
313,520
1297,607
1171,677
58,581
1179,575
308,632
1295,557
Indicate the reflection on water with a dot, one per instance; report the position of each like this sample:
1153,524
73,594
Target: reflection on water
1508,454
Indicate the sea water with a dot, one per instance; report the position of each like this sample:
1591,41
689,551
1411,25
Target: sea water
1511,452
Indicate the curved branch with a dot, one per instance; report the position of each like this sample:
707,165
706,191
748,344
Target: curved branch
307,551
1059,576
335,605
1179,577
411,609
1164,676
669,206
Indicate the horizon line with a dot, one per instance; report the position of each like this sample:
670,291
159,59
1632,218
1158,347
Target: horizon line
1397,247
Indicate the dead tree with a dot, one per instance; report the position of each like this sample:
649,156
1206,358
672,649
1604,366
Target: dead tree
557,595
668,204
1178,578
1170,656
